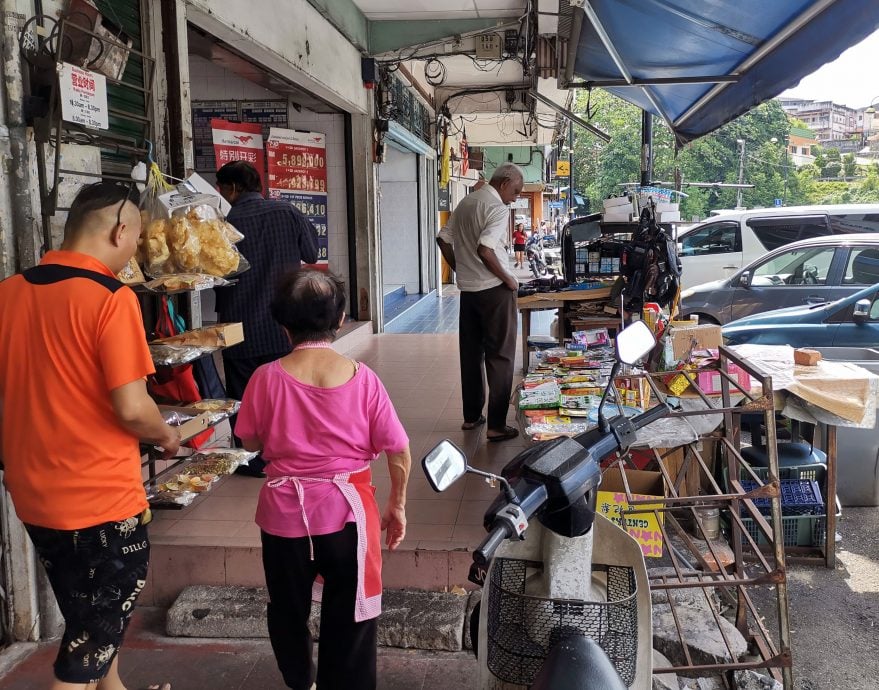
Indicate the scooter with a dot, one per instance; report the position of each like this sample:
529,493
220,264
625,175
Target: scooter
537,260
569,607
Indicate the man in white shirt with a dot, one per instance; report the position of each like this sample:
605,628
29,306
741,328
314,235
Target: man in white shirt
473,245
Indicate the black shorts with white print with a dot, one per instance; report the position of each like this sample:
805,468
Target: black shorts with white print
96,574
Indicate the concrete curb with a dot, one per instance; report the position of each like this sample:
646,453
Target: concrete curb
432,621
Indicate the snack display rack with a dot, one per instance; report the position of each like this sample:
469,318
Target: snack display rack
752,553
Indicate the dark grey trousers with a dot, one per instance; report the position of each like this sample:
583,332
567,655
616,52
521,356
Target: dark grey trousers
487,343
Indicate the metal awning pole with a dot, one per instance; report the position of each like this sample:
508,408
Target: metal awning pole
646,148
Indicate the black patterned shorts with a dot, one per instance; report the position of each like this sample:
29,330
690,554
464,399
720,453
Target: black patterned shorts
96,574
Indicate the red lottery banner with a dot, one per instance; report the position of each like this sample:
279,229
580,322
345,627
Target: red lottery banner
297,163
239,141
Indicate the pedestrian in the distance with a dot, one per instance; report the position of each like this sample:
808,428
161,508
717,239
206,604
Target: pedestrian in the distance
73,407
473,245
320,420
277,239
519,240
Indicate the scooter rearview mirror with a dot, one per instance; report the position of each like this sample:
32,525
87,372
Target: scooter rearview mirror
444,465
634,341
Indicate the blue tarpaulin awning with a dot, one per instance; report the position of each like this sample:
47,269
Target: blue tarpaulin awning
761,48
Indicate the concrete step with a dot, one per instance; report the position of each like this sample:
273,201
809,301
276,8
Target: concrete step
174,566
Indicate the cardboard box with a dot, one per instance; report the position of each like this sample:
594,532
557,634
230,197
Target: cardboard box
218,335
704,337
612,503
194,426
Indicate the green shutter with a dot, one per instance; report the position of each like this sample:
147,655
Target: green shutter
131,120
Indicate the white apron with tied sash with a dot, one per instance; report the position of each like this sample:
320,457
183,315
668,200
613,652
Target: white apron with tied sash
358,490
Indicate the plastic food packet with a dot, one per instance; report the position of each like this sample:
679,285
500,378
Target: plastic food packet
171,355
185,281
211,463
173,418
131,274
153,252
166,497
227,405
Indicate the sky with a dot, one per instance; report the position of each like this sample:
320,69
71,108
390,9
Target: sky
852,79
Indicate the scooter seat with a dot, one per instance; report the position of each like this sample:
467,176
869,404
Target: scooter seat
577,663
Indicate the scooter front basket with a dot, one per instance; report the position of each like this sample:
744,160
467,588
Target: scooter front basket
523,628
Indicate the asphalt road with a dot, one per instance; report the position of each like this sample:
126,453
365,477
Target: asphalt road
834,614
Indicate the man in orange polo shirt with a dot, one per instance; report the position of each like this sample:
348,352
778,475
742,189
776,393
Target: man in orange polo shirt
73,406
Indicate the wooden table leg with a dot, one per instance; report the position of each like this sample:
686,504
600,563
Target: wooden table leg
830,499
526,333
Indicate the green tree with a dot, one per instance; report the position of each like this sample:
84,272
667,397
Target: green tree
849,165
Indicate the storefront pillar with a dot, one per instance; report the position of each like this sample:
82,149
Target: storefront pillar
366,263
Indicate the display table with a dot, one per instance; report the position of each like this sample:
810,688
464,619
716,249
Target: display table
560,301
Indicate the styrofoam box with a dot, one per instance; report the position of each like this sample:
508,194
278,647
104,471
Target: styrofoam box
616,201
668,216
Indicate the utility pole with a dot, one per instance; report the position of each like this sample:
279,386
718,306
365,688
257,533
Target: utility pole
571,169
741,143
786,151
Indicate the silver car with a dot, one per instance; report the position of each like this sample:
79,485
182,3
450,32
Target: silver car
813,271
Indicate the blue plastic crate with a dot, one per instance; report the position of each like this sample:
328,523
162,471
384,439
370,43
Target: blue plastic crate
798,497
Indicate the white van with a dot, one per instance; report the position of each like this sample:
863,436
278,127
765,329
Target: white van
721,245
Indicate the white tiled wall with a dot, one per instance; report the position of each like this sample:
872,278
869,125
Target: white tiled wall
212,82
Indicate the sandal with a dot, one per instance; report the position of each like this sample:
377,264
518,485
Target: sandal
468,426
508,433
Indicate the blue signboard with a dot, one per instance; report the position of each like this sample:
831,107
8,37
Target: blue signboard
778,202
557,204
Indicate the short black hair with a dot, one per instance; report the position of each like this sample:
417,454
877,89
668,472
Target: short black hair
96,197
309,303
240,174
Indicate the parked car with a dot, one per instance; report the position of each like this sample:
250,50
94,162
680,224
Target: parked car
725,243
809,272
849,322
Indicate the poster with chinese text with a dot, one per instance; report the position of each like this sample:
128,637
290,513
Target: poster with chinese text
297,165
239,141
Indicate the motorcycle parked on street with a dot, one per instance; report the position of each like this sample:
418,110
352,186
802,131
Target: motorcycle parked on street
568,608
537,260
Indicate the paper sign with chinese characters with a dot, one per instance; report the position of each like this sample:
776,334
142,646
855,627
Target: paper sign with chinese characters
298,173
83,97
239,141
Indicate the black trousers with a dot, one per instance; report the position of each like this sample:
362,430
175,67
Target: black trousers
487,344
347,652
238,373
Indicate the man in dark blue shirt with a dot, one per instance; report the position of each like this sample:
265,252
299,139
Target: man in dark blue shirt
277,240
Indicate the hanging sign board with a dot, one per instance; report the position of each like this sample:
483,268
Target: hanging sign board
298,174
83,97
239,141
563,169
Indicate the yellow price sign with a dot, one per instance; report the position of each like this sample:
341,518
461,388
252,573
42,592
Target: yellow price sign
563,169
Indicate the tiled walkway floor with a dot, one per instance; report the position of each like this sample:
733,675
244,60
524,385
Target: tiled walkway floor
422,376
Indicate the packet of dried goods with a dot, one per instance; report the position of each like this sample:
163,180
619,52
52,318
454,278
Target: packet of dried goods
185,281
153,252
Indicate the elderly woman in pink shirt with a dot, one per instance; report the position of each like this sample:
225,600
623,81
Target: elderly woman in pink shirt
320,420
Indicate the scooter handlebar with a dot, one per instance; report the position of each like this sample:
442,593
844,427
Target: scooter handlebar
654,413
485,551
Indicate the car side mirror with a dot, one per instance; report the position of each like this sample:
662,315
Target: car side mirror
745,279
861,311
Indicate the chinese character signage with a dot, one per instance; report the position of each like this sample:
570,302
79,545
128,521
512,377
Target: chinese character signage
298,173
83,97
239,141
